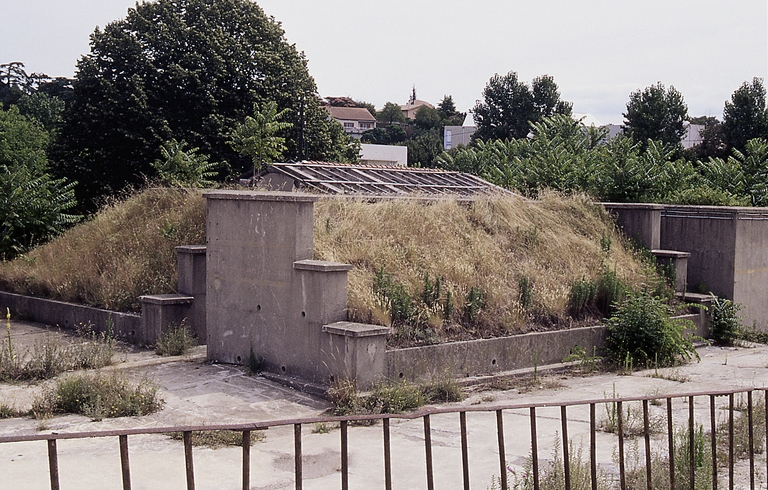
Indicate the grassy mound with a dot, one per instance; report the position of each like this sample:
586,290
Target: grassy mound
504,264
435,270
125,251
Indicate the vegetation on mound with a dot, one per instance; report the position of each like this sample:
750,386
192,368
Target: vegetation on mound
438,270
434,270
125,251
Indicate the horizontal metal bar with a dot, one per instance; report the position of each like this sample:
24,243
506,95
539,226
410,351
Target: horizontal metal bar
263,425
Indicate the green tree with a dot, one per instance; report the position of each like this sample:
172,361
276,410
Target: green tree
259,136
180,167
390,114
509,106
424,148
656,113
187,70
745,117
427,118
33,205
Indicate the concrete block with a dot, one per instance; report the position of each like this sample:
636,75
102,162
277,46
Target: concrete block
676,262
355,351
159,312
639,221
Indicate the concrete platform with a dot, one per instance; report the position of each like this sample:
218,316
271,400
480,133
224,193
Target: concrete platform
197,392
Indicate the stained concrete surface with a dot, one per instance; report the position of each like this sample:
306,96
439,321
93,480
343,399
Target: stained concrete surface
197,392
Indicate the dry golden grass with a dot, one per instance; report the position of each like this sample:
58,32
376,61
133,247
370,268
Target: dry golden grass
127,251
490,243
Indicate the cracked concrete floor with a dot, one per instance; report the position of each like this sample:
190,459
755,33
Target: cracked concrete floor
197,392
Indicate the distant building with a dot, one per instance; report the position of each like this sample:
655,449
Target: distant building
692,135
355,120
455,136
412,107
388,155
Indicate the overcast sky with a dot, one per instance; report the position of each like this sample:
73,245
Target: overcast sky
598,51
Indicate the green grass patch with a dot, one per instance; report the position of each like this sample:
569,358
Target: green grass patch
176,341
98,396
216,439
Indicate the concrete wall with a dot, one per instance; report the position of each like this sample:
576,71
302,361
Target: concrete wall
709,234
265,294
191,282
67,315
750,268
390,155
489,356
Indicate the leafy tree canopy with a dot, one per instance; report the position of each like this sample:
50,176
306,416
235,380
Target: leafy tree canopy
656,113
509,106
390,114
745,116
188,70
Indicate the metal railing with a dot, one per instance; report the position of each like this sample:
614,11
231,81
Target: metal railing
427,413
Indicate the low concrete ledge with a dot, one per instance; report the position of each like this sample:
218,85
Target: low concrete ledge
351,329
69,315
191,249
167,299
670,254
321,266
260,196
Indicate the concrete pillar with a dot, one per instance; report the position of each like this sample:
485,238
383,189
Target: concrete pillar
639,221
191,282
355,351
158,312
676,262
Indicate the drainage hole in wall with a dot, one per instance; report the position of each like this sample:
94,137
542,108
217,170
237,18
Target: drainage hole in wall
282,368
303,314
332,379
258,307
400,376
132,333
238,358
493,362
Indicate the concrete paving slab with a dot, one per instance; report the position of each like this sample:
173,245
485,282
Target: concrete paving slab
197,392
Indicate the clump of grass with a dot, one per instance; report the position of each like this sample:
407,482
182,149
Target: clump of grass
176,341
726,324
98,396
632,421
216,439
636,469
552,473
586,363
51,356
125,251
391,397
9,412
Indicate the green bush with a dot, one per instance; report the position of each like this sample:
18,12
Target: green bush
641,333
726,324
394,397
176,341
98,396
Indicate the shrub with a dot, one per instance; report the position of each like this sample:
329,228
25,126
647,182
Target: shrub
394,397
216,439
98,396
726,324
52,356
176,341
641,333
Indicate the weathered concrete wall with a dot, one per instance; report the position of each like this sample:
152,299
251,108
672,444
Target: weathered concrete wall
266,295
639,221
489,356
67,315
191,282
159,313
751,266
709,234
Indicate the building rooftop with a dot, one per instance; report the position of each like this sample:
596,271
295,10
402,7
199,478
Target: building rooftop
384,181
350,113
